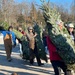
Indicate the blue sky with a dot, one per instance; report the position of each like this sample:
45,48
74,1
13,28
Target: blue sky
65,3
54,1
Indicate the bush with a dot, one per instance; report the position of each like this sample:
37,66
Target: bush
5,25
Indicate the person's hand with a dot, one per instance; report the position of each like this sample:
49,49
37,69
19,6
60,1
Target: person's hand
35,34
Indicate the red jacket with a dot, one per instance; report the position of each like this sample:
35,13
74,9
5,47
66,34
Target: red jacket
52,50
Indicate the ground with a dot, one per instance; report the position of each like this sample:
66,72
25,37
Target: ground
21,66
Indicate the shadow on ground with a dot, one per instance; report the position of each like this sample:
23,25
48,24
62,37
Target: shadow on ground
18,63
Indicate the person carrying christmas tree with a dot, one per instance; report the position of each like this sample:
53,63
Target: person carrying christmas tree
33,47
55,58
44,34
20,42
7,43
71,30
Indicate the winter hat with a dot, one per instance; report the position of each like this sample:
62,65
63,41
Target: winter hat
30,28
58,22
70,25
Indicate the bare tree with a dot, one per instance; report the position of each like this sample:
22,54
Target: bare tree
73,10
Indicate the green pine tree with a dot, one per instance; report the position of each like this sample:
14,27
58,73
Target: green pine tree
65,45
39,42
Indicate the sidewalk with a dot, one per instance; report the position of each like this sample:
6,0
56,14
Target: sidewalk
20,66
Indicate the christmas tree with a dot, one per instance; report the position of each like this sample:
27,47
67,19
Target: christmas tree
18,34
25,44
65,45
39,42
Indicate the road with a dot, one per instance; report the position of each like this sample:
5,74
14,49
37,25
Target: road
21,66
